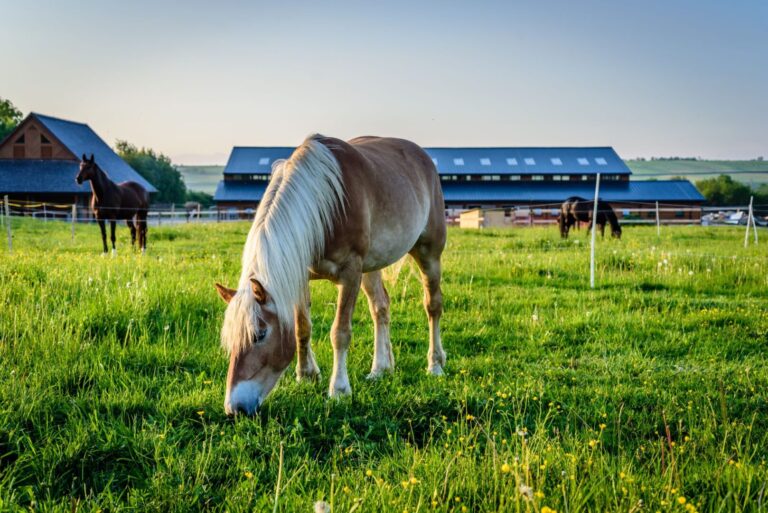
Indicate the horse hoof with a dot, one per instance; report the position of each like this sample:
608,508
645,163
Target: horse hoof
114,253
378,373
308,376
340,392
435,370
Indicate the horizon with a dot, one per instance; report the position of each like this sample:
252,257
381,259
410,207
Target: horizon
650,80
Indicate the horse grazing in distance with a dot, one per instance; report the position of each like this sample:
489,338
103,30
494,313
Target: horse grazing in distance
339,211
576,209
113,202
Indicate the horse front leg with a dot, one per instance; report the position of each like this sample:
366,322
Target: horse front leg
306,365
341,332
103,235
378,304
132,227
112,236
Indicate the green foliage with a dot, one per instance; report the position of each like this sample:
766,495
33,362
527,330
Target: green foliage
724,190
10,117
157,169
205,199
652,387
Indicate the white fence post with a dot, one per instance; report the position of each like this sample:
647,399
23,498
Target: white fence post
198,212
658,221
594,229
752,216
74,219
45,214
749,220
8,223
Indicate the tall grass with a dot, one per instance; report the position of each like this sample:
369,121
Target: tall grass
647,393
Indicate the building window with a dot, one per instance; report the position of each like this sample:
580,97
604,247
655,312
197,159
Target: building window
557,178
485,162
583,161
514,178
530,162
44,139
458,162
263,161
20,140
511,162
584,178
537,178
556,162
601,161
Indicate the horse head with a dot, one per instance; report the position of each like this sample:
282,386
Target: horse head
260,346
87,169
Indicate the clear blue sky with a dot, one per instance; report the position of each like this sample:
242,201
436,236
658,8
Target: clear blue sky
193,78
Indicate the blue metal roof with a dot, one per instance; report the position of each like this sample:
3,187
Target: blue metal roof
554,192
463,161
512,192
242,191
255,159
79,138
40,176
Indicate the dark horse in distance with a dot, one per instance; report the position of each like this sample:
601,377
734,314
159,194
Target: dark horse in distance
576,209
114,202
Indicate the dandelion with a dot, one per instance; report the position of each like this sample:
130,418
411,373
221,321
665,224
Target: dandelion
369,473
201,412
593,443
248,474
346,490
414,481
603,426
207,382
526,491
470,417
546,509
681,500
505,468
404,484
539,494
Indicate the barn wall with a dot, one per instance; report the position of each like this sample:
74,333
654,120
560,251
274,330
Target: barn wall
33,147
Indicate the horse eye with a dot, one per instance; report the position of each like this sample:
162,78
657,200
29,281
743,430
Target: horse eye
262,335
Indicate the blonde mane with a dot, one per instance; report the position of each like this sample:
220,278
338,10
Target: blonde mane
288,234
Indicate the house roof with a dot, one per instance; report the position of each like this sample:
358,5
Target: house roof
553,192
35,176
236,191
80,139
462,161
668,191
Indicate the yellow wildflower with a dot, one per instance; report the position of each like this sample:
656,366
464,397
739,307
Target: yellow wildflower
505,468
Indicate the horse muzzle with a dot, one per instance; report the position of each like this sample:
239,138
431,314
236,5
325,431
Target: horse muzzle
243,399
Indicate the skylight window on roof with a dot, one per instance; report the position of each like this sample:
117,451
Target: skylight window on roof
556,162
458,162
263,161
530,162
485,162
601,161
511,162
583,161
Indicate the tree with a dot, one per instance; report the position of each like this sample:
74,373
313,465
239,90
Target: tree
10,117
157,169
205,199
724,190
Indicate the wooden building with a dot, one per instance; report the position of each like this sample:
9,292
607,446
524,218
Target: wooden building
40,159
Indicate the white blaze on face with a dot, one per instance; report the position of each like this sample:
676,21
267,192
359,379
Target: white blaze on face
244,397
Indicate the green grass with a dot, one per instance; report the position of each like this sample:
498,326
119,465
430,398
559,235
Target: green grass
202,178
752,172
651,388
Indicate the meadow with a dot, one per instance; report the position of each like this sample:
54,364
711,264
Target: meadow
649,393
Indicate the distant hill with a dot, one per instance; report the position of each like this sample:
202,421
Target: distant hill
201,178
748,171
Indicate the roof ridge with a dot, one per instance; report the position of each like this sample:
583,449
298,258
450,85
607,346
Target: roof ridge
54,118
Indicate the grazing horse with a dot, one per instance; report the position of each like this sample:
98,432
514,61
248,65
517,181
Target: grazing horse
576,209
113,202
339,211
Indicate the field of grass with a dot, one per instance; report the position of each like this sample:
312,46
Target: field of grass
752,172
201,178
649,393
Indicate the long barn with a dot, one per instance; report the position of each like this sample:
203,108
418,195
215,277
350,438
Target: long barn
505,178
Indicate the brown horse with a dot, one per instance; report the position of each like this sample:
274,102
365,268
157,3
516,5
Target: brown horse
340,211
576,209
113,202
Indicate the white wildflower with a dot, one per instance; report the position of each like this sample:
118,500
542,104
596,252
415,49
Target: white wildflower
526,491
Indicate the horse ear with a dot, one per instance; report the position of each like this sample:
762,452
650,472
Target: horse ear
258,291
91,157
225,293
85,159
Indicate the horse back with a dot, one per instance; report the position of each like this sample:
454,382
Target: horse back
133,195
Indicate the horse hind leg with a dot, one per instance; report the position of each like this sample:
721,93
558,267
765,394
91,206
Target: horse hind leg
132,227
428,261
112,236
103,228
306,365
378,304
